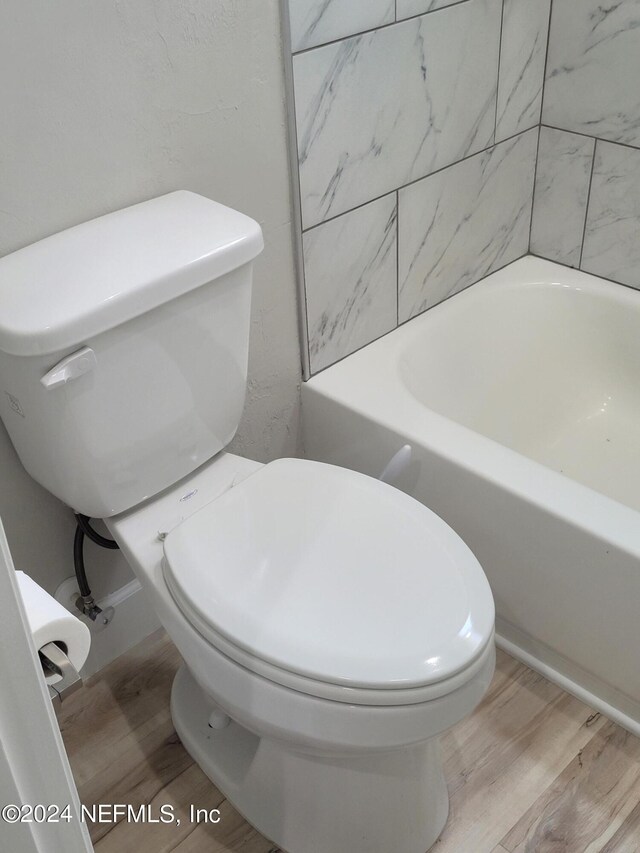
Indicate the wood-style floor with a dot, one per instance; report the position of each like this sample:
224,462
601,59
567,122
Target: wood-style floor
533,769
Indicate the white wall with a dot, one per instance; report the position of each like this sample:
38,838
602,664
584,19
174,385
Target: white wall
108,102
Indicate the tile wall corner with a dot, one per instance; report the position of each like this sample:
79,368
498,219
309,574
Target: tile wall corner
416,127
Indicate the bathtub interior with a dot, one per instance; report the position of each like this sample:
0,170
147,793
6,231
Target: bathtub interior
551,370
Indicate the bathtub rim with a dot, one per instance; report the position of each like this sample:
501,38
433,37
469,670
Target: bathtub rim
390,403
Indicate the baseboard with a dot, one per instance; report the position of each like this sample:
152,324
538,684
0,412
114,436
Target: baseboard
134,619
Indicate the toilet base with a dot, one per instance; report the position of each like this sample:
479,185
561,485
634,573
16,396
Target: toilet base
307,802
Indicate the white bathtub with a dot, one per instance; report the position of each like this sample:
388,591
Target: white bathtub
520,398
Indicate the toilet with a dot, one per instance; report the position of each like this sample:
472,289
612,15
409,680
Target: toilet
331,627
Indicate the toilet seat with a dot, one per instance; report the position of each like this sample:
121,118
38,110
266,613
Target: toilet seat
334,584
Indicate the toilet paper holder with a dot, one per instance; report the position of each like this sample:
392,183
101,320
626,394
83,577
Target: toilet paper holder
55,662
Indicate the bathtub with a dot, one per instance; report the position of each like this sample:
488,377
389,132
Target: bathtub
520,399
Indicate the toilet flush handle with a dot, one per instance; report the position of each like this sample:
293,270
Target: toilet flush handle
71,367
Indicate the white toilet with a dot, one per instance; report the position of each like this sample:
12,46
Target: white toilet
331,626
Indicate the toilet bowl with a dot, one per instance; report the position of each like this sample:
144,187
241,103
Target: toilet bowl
322,731
331,627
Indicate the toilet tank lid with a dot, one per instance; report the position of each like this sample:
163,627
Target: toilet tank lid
69,287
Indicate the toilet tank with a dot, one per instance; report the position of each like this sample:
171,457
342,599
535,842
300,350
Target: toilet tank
123,348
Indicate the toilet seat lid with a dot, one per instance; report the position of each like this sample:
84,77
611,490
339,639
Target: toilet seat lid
334,576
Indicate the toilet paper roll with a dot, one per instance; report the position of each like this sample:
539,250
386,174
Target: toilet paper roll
50,622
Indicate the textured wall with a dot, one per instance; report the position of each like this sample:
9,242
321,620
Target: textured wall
587,196
417,129
106,104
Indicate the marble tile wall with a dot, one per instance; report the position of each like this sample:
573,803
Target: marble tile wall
612,234
525,27
382,109
409,8
315,22
563,176
351,279
586,210
464,222
416,131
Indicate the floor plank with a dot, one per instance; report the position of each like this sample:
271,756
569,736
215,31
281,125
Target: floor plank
501,759
139,779
118,708
533,769
627,837
238,835
589,801
189,788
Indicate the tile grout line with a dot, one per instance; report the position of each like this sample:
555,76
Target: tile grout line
586,272
546,63
397,258
535,183
586,210
377,28
495,122
540,125
421,178
591,136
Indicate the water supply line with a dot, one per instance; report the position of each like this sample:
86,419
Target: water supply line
85,601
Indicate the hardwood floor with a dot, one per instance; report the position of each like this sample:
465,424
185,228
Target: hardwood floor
533,770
